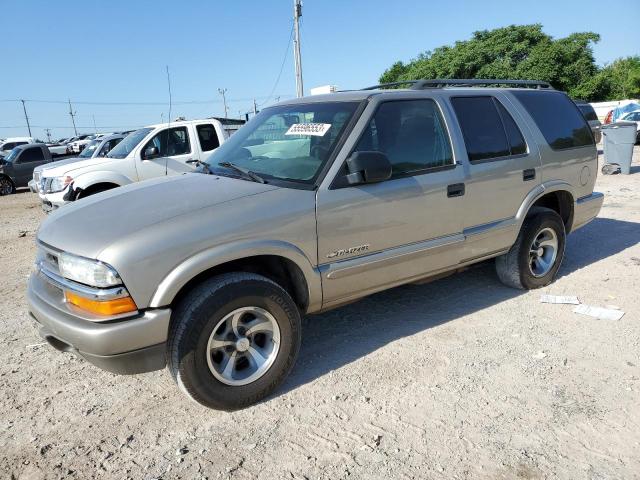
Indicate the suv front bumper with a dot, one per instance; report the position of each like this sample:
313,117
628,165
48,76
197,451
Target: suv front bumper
126,346
586,209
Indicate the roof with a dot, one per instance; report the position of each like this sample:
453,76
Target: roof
359,95
29,145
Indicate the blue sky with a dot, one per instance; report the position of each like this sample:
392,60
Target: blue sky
116,51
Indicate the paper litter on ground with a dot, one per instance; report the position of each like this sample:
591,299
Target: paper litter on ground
599,312
568,299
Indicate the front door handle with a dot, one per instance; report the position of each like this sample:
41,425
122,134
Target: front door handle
455,190
528,174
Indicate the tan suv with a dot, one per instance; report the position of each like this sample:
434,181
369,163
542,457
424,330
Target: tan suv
314,203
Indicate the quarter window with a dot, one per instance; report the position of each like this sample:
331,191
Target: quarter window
488,129
170,142
411,133
208,137
557,117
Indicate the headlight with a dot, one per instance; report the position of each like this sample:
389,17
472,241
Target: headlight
88,272
58,184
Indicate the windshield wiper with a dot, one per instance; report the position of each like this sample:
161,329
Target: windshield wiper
247,173
204,165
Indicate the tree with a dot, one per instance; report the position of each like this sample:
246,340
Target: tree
526,52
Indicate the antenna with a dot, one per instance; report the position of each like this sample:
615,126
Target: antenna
26,117
166,160
73,114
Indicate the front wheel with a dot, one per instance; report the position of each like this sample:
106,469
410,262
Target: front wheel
6,186
534,259
233,340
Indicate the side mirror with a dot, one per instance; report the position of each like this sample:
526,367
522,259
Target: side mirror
368,167
150,152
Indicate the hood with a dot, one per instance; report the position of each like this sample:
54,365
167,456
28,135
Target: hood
64,167
58,163
89,226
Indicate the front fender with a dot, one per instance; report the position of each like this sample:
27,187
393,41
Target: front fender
212,257
88,179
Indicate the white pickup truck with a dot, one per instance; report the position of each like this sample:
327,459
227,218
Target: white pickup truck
153,151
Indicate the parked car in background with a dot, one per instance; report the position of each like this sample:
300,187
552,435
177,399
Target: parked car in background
59,148
97,148
316,202
592,119
16,169
154,151
9,144
77,145
634,117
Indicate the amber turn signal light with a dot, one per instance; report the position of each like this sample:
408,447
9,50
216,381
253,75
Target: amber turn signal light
102,307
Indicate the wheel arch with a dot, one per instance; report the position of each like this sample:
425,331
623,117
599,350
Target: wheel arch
556,195
282,263
88,180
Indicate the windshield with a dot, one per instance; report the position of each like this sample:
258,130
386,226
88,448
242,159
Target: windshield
90,149
288,142
13,154
128,143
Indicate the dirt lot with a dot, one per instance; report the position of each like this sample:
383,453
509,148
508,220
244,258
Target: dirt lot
460,378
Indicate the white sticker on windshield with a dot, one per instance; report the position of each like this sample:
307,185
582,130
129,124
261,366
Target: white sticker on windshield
314,129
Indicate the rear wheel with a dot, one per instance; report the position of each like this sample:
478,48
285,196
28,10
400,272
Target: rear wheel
233,340
534,259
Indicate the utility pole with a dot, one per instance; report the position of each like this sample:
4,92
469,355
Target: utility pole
297,13
26,117
95,129
255,107
73,120
222,92
48,130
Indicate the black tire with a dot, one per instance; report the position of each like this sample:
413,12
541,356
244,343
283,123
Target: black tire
6,186
514,268
197,315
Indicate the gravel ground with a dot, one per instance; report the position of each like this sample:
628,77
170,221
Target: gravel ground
459,378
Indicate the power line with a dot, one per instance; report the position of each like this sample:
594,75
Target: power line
120,103
284,60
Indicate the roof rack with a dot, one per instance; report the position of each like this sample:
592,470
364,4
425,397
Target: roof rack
464,82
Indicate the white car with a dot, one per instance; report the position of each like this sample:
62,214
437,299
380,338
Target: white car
9,144
153,151
634,117
78,145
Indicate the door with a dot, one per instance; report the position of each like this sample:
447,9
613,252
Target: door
373,236
23,166
503,168
167,153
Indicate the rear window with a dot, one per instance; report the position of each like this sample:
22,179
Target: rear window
488,129
557,117
588,112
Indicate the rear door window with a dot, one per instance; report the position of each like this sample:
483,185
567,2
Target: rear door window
484,134
557,117
208,137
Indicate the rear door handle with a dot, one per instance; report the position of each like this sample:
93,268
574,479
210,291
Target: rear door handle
528,174
455,190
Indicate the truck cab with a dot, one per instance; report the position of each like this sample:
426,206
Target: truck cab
16,169
154,151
